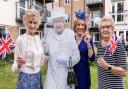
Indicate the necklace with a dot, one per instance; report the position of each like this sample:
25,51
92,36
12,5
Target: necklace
78,39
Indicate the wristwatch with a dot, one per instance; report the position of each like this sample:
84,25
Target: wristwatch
109,68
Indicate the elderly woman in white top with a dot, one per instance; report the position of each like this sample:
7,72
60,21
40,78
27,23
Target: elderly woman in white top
60,45
29,53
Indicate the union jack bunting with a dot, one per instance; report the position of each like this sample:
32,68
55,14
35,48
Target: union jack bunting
6,45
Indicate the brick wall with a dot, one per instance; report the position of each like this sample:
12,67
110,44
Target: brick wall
13,31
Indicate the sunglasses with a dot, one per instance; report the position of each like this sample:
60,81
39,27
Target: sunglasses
107,27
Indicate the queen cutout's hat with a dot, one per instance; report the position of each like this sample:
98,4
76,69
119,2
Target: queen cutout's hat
58,12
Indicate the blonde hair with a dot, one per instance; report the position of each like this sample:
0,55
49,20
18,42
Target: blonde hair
107,18
31,13
76,22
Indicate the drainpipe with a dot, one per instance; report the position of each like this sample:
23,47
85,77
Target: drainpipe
30,4
59,3
84,5
43,1
52,5
71,13
44,18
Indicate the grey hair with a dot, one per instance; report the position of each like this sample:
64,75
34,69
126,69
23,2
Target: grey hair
107,18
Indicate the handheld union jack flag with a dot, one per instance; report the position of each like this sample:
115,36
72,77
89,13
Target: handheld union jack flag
6,45
113,46
113,43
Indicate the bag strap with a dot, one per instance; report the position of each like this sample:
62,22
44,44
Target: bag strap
70,63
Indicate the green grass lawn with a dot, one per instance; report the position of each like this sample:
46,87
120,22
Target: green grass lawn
8,79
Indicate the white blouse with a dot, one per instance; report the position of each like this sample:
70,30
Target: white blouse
30,48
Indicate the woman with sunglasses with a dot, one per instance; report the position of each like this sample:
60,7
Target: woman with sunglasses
111,66
86,48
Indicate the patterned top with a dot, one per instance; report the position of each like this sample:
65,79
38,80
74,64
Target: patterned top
106,79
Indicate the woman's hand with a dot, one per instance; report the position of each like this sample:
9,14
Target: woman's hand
115,69
20,61
62,61
102,63
87,38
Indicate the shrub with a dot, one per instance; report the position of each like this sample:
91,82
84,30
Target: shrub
9,59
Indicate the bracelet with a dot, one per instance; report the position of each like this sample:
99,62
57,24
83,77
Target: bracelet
89,47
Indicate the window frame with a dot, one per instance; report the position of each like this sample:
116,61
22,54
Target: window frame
4,28
67,19
126,36
66,2
20,30
93,34
115,13
95,18
40,34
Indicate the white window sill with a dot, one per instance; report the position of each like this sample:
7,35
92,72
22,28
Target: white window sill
121,23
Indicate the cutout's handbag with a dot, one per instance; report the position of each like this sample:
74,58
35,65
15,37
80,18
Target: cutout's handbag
71,79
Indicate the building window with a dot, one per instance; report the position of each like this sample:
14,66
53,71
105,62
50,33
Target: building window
97,37
118,11
120,18
126,36
113,8
115,32
2,30
39,33
95,18
67,19
20,9
121,33
22,31
113,17
120,7
66,2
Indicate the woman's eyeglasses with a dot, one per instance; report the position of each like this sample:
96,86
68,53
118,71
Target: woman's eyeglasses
107,27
